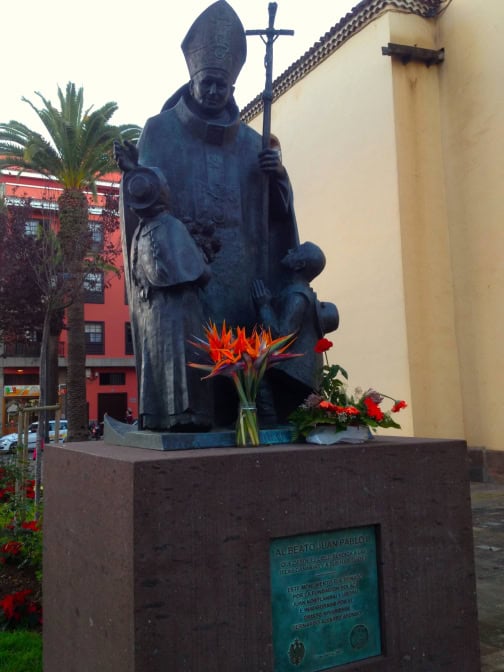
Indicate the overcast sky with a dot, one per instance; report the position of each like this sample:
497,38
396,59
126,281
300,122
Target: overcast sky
129,52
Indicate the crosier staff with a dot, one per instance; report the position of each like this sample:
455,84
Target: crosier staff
268,36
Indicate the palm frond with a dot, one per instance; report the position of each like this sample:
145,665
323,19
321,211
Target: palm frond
78,148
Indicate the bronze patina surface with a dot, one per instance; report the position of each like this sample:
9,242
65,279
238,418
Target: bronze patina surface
325,599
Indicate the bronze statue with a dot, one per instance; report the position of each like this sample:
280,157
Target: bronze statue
167,269
218,172
296,309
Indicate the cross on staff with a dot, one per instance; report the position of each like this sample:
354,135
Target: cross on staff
268,36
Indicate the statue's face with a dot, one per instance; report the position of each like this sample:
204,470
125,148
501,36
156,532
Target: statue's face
211,89
291,259
295,259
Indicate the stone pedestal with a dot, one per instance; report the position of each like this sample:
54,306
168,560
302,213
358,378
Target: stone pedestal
159,562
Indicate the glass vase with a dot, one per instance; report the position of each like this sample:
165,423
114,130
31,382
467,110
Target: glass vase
247,428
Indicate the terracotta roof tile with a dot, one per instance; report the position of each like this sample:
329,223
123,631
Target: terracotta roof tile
362,14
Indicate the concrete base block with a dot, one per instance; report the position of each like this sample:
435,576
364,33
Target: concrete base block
159,561
486,466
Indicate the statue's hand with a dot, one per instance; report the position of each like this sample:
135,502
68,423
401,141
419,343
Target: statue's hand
260,294
126,155
271,162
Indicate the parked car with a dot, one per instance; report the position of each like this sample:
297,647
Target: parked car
63,429
9,442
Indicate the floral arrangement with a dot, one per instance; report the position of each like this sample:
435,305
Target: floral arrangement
245,360
333,405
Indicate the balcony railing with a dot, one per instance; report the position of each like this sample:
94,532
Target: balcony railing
28,349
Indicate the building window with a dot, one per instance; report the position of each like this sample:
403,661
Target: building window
96,231
33,335
95,338
94,288
116,378
29,346
21,379
32,227
128,339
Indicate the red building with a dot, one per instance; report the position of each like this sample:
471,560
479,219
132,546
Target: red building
110,370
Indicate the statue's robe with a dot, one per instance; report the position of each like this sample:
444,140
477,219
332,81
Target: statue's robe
166,269
213,173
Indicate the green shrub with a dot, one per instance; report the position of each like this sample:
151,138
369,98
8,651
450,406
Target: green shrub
20,547
21,651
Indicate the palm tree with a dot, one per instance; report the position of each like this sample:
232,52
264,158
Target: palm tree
78,150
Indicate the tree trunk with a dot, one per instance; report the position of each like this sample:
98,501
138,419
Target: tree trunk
44,380
77,414
56,327
48,380
75,243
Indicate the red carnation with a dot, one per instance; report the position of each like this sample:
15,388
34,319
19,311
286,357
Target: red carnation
398,405
323,345
373,410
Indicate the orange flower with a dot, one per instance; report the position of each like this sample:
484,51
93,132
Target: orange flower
231,354
218,343
244,359
327,406
348,410
241,343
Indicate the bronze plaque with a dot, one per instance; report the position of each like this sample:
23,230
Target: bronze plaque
325,599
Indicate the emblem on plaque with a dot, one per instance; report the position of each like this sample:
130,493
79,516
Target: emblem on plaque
359,637
296,652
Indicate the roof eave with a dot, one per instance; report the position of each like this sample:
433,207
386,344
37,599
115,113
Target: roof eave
361,15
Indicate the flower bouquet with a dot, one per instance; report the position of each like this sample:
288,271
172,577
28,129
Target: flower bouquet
333,406
245,360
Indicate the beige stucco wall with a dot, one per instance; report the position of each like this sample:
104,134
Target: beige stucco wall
397,171
472,105
429,302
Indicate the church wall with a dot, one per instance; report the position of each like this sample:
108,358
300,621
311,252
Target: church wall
472,105
429,301
397,171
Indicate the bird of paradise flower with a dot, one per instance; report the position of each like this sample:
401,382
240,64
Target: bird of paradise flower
245,359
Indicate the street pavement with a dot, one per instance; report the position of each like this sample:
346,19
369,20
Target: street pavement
487,502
